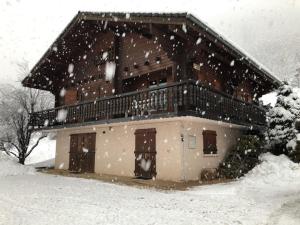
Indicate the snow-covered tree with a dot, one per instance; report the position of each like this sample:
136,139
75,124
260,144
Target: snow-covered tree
282,117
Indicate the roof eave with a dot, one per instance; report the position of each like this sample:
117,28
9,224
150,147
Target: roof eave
49,50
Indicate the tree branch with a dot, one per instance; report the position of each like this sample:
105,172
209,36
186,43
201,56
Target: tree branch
13,144
2,148
36,144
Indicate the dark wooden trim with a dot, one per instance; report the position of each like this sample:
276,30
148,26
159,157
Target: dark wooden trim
139,131
211,132
118,74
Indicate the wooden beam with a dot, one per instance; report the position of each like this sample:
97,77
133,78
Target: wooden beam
118,46
134,18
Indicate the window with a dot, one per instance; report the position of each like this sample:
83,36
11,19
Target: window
209,142
192,141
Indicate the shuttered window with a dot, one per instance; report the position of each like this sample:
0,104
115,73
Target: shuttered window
209,142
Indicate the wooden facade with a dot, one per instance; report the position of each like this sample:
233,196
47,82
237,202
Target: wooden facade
162,64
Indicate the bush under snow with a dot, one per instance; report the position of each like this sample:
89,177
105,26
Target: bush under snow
10,167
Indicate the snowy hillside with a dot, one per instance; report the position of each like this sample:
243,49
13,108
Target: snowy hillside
269,194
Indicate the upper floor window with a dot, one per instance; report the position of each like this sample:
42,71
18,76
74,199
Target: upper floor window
209,142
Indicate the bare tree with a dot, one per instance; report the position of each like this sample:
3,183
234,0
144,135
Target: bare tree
16,105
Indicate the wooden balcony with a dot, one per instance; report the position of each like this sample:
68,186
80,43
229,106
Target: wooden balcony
178,99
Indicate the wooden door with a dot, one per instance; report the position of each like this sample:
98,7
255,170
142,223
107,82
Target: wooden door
82,152
145,153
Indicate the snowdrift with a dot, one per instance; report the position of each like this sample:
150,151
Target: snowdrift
10,167
44,164
273,171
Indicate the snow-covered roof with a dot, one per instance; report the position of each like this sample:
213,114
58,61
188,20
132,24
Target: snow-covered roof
168,18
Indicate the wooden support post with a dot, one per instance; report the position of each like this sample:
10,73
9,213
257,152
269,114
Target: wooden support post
118,61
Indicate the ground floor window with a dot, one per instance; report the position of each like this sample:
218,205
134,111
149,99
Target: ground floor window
209,142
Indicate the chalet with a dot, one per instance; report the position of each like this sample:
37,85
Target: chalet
147,95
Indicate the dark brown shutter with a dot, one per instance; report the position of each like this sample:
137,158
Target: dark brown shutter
145,149
73,160
91,154
81,161
209,142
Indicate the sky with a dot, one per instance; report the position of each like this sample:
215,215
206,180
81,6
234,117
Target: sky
267,30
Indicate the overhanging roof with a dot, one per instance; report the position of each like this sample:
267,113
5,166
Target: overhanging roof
160,18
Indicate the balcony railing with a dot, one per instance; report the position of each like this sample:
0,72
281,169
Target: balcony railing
178,99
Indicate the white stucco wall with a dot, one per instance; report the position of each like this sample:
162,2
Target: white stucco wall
194,158
115,145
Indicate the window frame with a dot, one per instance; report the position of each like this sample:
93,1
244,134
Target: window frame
192,141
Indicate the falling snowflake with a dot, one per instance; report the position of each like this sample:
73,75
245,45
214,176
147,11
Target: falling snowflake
110,69
139,157
198,41
61,166
62,115
71,68
145,164
184,28
104,55
46,123
62,92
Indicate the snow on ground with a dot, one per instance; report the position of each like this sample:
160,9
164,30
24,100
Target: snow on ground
50,163
288,214
10,167
269,194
